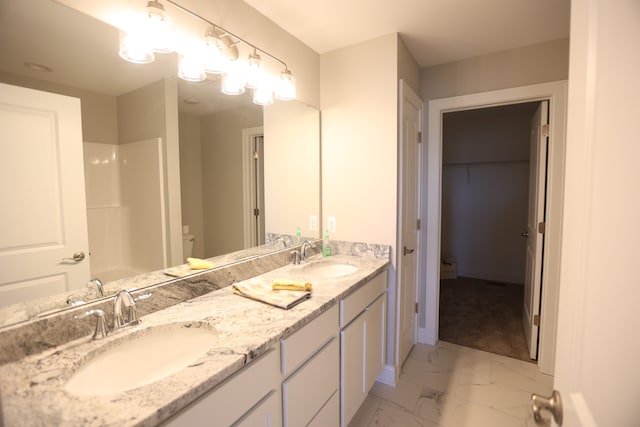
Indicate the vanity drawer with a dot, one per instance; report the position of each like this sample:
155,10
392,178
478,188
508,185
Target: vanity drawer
300,346
232,399
354,304
307,391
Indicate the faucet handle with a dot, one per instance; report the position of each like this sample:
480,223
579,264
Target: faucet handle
143,296
101,323
296,257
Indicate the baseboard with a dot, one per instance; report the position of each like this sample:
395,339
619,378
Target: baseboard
424,336
495,276
388,375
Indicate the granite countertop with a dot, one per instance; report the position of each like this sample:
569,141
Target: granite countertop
33,388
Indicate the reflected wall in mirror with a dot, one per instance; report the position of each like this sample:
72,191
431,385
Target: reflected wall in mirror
162,157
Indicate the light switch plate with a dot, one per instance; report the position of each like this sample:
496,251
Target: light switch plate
313,222
331,224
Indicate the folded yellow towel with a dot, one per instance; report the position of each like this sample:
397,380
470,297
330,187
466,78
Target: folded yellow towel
290,285
199,264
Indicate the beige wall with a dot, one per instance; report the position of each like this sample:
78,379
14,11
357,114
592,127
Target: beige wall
222,177
544,62
152,112
291,168
408,68
359,104
191,179
99,112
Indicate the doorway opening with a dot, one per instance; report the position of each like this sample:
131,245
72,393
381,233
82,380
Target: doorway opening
488,194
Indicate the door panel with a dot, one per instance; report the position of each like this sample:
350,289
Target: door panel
535,240
411,111
598,316
43,218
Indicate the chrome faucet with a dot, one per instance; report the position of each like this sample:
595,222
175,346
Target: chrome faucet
124,300
281,239
101,324
303,249
98,283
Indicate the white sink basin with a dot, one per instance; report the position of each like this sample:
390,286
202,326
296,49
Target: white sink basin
330,269
148,356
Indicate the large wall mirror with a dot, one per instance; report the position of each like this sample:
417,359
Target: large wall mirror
166,162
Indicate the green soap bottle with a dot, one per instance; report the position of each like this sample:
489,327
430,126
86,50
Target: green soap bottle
298,235
326,248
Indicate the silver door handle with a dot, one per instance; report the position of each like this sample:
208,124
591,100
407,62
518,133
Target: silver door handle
553,404
77,257
525,234
407,251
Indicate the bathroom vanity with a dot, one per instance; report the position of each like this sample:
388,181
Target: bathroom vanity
310,365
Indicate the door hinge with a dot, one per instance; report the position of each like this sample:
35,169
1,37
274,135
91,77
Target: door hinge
256,212
536,320
417,306
545,130
419,137
418,224
541,227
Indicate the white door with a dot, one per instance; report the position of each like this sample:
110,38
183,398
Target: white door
43,217
410,113
598,347
537,184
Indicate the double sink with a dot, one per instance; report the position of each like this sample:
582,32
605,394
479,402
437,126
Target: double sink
147,355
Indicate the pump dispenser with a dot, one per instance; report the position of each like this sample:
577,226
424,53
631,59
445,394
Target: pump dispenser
326,248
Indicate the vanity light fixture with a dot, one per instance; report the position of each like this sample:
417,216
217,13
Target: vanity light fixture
263,94
286,86
233,82
191,66
254,70
156,26
133,48
216,50
218,54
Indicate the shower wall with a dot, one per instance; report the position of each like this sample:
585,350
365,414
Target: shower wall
125,208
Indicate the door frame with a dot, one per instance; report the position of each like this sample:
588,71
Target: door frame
556,93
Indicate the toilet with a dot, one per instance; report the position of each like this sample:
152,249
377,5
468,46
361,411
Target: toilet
187,242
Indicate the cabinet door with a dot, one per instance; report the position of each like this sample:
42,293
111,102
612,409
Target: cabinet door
352,368
375,329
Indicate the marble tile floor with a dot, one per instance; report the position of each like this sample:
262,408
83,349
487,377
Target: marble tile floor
449,385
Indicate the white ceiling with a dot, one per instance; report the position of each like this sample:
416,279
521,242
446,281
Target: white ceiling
435,31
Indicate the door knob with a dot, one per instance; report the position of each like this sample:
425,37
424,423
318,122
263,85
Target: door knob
77,257
553,404
407,251
525,234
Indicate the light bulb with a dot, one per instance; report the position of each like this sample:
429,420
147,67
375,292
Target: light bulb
255,71
263,94
156,26
191,67
286,86
216,46
233,80
134,48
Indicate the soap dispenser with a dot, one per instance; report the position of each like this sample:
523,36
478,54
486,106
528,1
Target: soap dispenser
326,248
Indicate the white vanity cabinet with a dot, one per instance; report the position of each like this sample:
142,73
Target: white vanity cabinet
251,397
362,343
311,373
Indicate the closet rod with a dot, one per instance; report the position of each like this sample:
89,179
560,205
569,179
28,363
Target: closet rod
500,162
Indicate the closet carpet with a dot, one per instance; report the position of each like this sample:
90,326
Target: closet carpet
483,315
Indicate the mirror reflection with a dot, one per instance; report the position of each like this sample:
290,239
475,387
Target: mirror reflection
171,168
